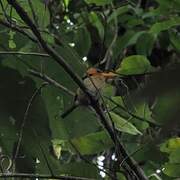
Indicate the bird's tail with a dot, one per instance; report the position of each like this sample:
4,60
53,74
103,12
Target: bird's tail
69,110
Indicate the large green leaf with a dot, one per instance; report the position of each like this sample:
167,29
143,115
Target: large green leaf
135,64
174,156
170,145
123,125
164,25
92,143
172,170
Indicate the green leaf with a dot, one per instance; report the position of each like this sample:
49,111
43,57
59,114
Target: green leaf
79,169
108,90
172,170
167,6
128,39
66,2
118,12
145,44
96,22
42,14
123,125
92,143
57,147
135,64
99,2
48,38
170,145
12,44
175,40
164,25
175,156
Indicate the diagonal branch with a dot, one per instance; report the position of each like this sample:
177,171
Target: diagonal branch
51,81
94,102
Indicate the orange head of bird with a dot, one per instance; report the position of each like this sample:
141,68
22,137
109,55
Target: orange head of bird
98,72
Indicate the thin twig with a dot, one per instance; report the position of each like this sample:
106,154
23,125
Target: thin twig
23,53
51,81
41,176
24,121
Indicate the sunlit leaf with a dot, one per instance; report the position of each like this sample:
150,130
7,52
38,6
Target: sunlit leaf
170,145
174,156
172,170
124,125
135,64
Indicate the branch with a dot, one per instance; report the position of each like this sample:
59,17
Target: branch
24,53
51,81
40,176
94,102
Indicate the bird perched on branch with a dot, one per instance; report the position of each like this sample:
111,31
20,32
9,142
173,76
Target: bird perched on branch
95,80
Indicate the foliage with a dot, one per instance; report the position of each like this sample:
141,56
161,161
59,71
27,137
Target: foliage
139,40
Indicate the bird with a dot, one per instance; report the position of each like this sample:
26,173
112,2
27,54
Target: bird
94,80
